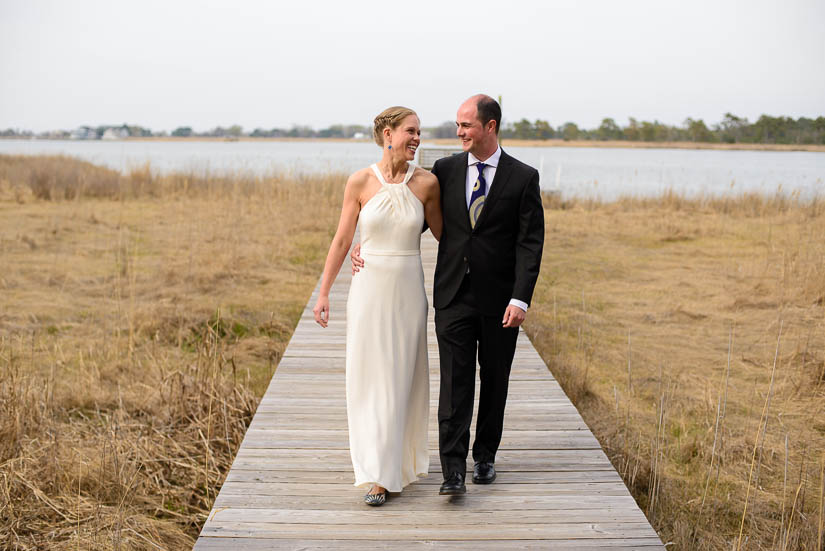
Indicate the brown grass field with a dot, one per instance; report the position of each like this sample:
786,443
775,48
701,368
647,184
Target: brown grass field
141,318
691,336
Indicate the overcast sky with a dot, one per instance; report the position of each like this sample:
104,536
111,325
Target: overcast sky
164,64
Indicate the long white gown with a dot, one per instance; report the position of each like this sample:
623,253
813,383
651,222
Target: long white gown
388,385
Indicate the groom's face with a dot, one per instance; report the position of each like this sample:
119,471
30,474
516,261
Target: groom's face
474,137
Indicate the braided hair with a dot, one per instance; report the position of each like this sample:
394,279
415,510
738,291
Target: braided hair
390,117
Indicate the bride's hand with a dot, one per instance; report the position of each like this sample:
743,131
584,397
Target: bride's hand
321,311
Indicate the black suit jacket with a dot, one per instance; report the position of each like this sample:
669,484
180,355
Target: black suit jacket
504,249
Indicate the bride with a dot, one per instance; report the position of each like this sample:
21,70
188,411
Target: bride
387,374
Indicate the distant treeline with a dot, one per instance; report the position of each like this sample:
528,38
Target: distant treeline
732,129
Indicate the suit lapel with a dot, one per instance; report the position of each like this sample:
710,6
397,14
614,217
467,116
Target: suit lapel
499,181
458,189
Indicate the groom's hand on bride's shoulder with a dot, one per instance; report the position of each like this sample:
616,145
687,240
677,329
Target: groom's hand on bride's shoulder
357,261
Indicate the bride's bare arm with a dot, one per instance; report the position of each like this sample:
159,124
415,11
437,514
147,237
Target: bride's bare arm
340,245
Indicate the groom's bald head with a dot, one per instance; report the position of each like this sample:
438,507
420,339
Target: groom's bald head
488,109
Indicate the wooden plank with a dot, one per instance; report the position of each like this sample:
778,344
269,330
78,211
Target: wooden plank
506,488
513,422
297,405
339,460
531,403
582,544
400,517
324,374
435,502
339,439
312,351
434,479
523,391
448,532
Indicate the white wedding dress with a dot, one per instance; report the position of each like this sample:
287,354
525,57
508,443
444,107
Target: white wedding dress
388,385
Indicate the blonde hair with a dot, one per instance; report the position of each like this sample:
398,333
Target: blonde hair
390,117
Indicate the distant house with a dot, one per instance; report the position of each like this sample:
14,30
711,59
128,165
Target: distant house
359,136
115,133
83,133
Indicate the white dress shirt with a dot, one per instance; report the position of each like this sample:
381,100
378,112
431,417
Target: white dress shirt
489,173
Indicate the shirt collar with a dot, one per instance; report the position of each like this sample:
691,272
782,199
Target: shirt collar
492,161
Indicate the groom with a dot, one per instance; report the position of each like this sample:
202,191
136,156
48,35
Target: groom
488,262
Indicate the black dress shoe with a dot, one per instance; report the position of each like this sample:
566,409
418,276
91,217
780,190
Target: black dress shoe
453,485
484,472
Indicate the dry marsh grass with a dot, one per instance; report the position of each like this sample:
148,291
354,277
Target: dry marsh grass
691,336
141,318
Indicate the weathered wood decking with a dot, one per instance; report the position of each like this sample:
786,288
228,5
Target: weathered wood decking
290,486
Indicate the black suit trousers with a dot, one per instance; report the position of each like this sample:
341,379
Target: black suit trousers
462,333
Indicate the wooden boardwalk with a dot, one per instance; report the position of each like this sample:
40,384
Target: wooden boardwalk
290,486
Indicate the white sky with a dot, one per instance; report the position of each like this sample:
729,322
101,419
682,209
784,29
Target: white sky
170,63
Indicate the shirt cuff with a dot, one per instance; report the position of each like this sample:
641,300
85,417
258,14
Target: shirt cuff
520,304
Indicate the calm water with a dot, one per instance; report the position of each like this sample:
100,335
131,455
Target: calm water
582,172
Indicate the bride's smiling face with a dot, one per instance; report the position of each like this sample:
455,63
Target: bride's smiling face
406,137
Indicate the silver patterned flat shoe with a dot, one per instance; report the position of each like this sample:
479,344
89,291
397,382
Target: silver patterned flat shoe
375,500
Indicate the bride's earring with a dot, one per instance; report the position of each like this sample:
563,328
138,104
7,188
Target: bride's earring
389,147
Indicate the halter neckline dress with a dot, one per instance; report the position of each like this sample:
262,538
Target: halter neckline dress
387,373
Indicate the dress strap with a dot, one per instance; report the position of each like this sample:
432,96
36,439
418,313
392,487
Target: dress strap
407,176
378,174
